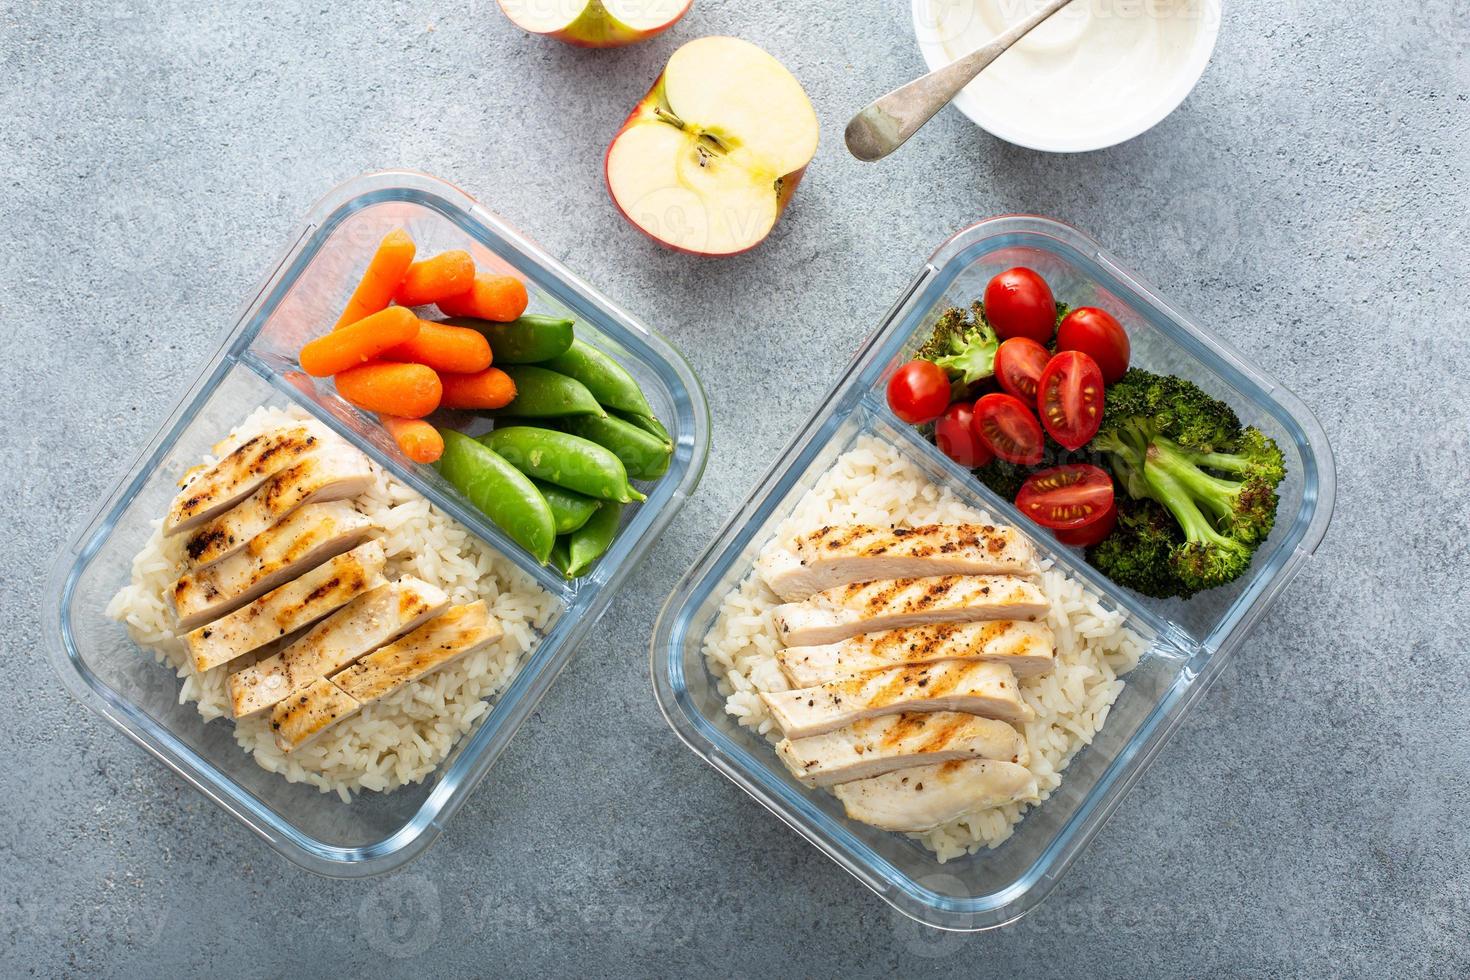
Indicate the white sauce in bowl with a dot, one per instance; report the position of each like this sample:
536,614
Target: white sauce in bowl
1096,73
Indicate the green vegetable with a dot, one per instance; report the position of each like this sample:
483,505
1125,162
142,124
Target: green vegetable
645,456
547,394
1170,442
527,340
570,509
649,424
500,491
565,460
1006,478
1137,553
603,376
964,344
586,545
561,556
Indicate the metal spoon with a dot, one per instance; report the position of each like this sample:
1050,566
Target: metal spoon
883,126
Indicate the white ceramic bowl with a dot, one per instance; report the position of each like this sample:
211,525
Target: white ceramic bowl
941,43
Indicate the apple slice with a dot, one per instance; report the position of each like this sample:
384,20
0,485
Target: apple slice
707,161
595,23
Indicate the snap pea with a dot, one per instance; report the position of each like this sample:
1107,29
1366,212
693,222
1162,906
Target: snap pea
511,421
649,424
561,556
644,455
500,491
547,394
569,508
602,376
525,340
587,545
565,460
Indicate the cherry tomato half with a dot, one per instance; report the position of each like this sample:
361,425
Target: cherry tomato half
1070,398
1018,303
1068,497
1008,428
956,438
918,392
1091,534
1018,366
1095,333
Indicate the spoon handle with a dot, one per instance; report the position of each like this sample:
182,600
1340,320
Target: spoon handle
883,125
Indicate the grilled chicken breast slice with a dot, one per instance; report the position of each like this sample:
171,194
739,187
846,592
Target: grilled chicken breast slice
216,488
324,702
313,709
877,745
847,610
290,607
439,642
335,473
920,799
364,624
841,554
299,543
970,686
1027,648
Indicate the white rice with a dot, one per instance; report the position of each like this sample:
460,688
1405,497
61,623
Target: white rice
402,738
874,484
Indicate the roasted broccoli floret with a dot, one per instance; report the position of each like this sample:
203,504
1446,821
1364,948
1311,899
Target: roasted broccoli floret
964,344
1245,508
1208,557
1168,441
1137,554
1254,456
1002,477
1006,478
1142,405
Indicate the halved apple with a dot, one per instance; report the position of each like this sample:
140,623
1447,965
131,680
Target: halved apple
707,161
595,23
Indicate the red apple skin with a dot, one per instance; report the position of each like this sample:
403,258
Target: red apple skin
788,188
645,107
616,39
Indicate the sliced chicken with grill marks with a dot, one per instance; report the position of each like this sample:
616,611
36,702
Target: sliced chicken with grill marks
364,624
969,686
305,539
877,745
840,554
217,487
290,607
1028,648
920,799
311,711
335,473
442,640
847,610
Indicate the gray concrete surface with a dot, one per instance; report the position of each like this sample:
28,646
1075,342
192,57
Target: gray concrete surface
1308,201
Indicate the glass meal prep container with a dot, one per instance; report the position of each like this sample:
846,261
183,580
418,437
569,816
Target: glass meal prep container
256,365
1188,641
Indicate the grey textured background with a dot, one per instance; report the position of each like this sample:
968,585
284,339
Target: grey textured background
1308,201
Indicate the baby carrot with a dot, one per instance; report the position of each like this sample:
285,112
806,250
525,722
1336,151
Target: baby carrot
429,281
360,342
444,348
492,297
419,440
408,391
375,291
490,388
